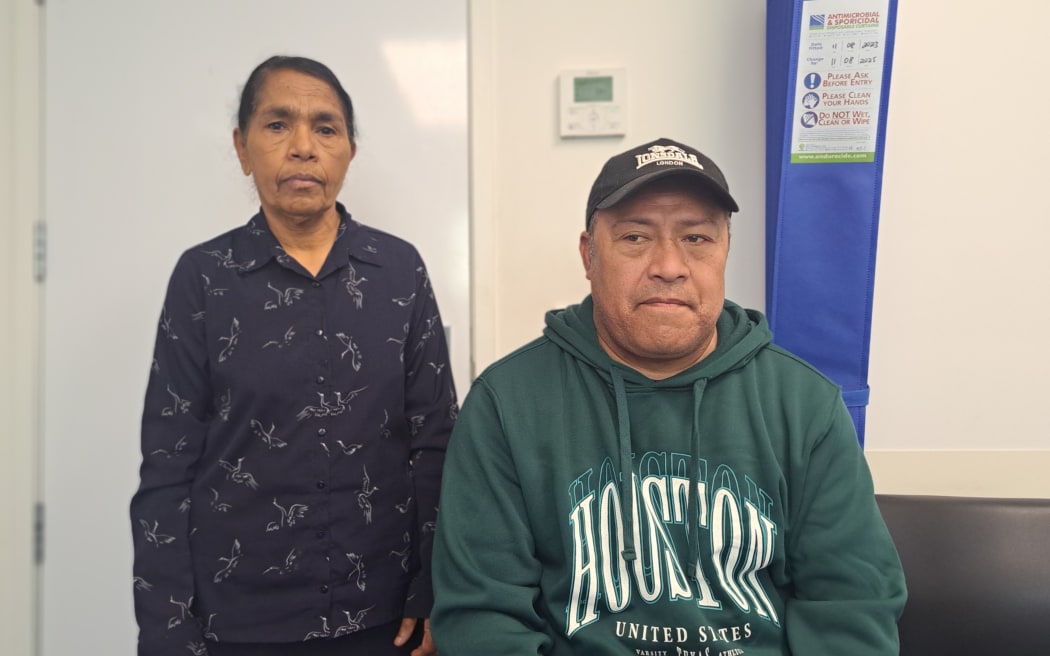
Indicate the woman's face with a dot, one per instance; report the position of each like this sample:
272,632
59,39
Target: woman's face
295,147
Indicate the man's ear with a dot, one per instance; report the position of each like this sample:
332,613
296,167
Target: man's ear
242,151
585,252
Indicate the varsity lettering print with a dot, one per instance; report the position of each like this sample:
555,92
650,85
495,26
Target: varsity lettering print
735,533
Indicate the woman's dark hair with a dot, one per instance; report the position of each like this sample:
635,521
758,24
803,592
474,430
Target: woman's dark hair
250,93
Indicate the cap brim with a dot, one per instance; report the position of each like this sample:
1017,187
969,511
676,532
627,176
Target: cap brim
721,194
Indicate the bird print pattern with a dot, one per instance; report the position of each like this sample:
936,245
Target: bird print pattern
294,430
228,563
209,290
197,648
364,497
352,349
353,624
357,570
237,475
230,341
178,405
153,536
175,451
184,613
284,297
165,324
226,260
267,435
289,515
225,402
339,404
290,564
284,341
353,286
216,504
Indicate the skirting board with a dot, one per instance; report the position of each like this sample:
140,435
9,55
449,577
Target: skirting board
1020,473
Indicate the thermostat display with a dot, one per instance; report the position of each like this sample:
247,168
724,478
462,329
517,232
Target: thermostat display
593,103
592,89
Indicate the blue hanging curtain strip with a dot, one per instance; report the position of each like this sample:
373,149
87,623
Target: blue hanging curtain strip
823,181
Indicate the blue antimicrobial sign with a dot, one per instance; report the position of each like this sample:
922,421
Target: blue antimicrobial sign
828,74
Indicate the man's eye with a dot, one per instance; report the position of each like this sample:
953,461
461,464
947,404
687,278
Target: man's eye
696,239
634,239
327,131
276,125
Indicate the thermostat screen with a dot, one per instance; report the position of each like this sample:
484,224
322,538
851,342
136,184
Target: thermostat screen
592,89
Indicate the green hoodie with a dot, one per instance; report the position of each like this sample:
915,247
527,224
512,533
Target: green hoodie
543,547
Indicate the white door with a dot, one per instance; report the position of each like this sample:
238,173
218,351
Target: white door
140,100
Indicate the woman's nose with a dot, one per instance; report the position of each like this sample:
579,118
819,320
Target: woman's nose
302,144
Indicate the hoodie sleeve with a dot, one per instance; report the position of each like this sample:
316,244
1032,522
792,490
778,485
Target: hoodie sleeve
849,587
486,578
174,426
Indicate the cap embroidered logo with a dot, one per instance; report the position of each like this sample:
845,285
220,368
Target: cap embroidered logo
667,154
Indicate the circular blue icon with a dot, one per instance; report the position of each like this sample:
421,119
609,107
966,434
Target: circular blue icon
812,81
809,120
810,100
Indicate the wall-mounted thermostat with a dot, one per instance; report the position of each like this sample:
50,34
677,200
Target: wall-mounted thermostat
594,103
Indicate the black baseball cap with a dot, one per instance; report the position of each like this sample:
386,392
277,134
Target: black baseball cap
630,170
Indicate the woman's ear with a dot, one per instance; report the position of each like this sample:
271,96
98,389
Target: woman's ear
242,151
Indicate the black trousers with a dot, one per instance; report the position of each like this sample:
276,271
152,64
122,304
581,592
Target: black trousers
378,641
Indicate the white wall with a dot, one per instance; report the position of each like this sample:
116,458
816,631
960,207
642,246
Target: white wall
957,363
962,296
959,357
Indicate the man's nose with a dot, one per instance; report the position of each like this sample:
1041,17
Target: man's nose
667,260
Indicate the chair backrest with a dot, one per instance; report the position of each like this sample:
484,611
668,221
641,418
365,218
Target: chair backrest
978,574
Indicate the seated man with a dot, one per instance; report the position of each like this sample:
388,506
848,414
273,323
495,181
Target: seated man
653,476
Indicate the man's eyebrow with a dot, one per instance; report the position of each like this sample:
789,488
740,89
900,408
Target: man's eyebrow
645,221
632,220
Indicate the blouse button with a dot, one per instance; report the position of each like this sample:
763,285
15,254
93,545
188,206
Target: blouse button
320,485
322,431
324,588
320,380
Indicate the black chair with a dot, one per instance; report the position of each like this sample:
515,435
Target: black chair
978,572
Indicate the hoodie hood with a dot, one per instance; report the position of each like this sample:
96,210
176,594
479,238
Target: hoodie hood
741,334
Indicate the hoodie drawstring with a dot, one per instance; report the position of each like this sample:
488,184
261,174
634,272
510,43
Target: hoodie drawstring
692,530
626,469
627,487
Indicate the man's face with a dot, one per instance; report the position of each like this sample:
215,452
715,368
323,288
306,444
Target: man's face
656,262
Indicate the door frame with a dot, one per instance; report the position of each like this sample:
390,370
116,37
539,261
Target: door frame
21,84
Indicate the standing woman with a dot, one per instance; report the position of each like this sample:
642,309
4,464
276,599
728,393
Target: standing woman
297,413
